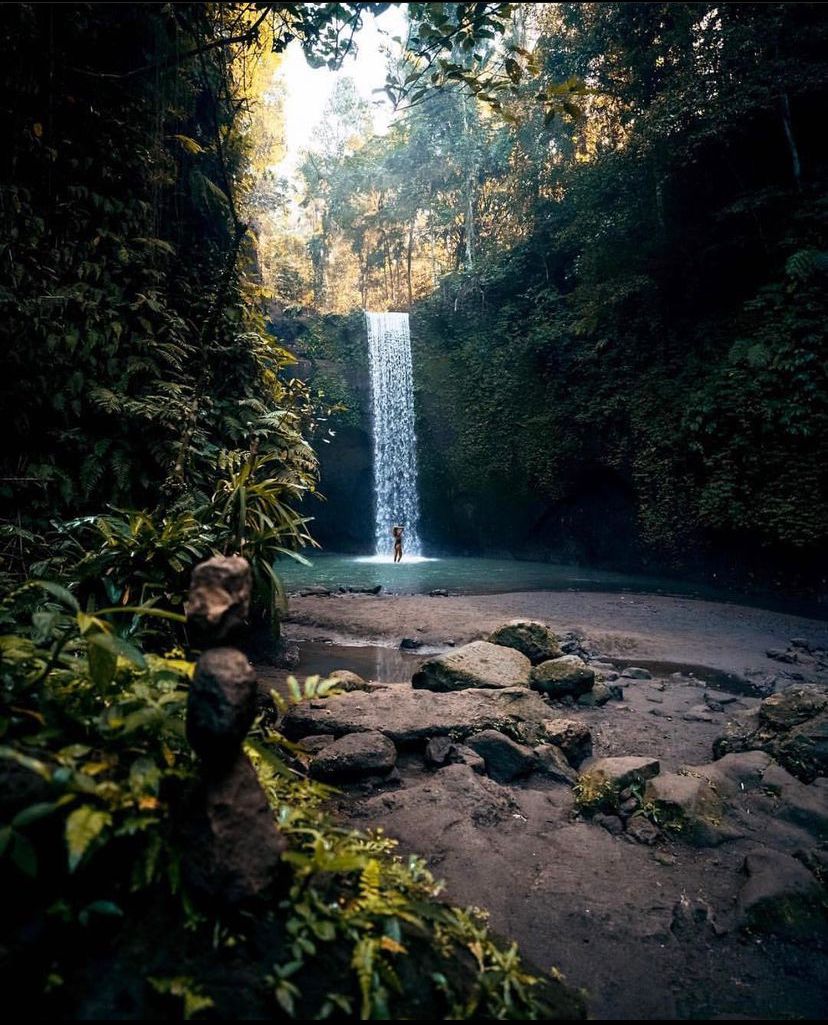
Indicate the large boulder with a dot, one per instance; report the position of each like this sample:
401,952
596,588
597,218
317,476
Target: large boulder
558,677
781,897
804,750
735,773
687,805
621,772
551,763
791,707
805,806
411,717
353,757
573,737
505,759
479,664
791,726
535,640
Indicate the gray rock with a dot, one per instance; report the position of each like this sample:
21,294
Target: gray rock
778,655
221,704
735,773
572,736
347,681
738,733
643,831
313,745
805,806
505,759
462,755
219,600
232,848
476,665
597,697
636,673
623,771
698,713
551,762
558,677
353,757
805,748
781,897
410,717
604,668
792,707
612,823
317,591
792,726
535,640
719,697
410,644
438,592
802,643
688,805
437,751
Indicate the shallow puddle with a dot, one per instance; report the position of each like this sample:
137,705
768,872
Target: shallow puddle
715,678
390,665
371,662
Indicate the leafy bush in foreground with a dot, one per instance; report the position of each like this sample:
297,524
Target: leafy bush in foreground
98,919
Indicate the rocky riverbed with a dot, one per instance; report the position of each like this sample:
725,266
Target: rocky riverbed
661,841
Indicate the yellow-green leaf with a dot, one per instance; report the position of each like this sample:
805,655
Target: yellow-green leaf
83,827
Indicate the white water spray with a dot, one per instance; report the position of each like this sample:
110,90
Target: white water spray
395,444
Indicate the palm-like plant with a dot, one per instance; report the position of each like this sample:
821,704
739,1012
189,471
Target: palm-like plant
253,506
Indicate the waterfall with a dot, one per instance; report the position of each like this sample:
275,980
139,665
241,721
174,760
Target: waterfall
395,444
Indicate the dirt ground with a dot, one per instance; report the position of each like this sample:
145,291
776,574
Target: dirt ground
647,931
730,638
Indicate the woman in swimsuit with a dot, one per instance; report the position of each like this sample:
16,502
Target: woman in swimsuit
398,538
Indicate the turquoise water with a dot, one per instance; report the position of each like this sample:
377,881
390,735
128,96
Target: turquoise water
459,575
479,576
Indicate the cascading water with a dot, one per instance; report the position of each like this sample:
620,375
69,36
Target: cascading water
395,444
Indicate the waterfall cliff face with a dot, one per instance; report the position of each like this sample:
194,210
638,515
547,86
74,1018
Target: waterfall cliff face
395,443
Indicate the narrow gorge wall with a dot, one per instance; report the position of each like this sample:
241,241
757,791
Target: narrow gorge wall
332,358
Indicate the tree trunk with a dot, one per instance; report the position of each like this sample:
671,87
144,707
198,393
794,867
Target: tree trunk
796,164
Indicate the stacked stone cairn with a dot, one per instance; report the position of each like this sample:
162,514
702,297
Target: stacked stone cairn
233,847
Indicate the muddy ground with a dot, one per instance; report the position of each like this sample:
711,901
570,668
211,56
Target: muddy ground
647,931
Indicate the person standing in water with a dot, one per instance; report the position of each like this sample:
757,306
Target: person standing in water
398,540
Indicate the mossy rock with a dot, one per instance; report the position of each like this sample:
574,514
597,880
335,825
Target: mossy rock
561,676
535,640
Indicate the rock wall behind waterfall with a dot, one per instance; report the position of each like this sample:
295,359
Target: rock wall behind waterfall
332,356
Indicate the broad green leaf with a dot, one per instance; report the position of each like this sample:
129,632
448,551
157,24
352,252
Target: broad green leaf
33,813
118,647
57,591
102,662
83,827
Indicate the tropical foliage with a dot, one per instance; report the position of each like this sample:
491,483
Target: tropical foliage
618,308
96,772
